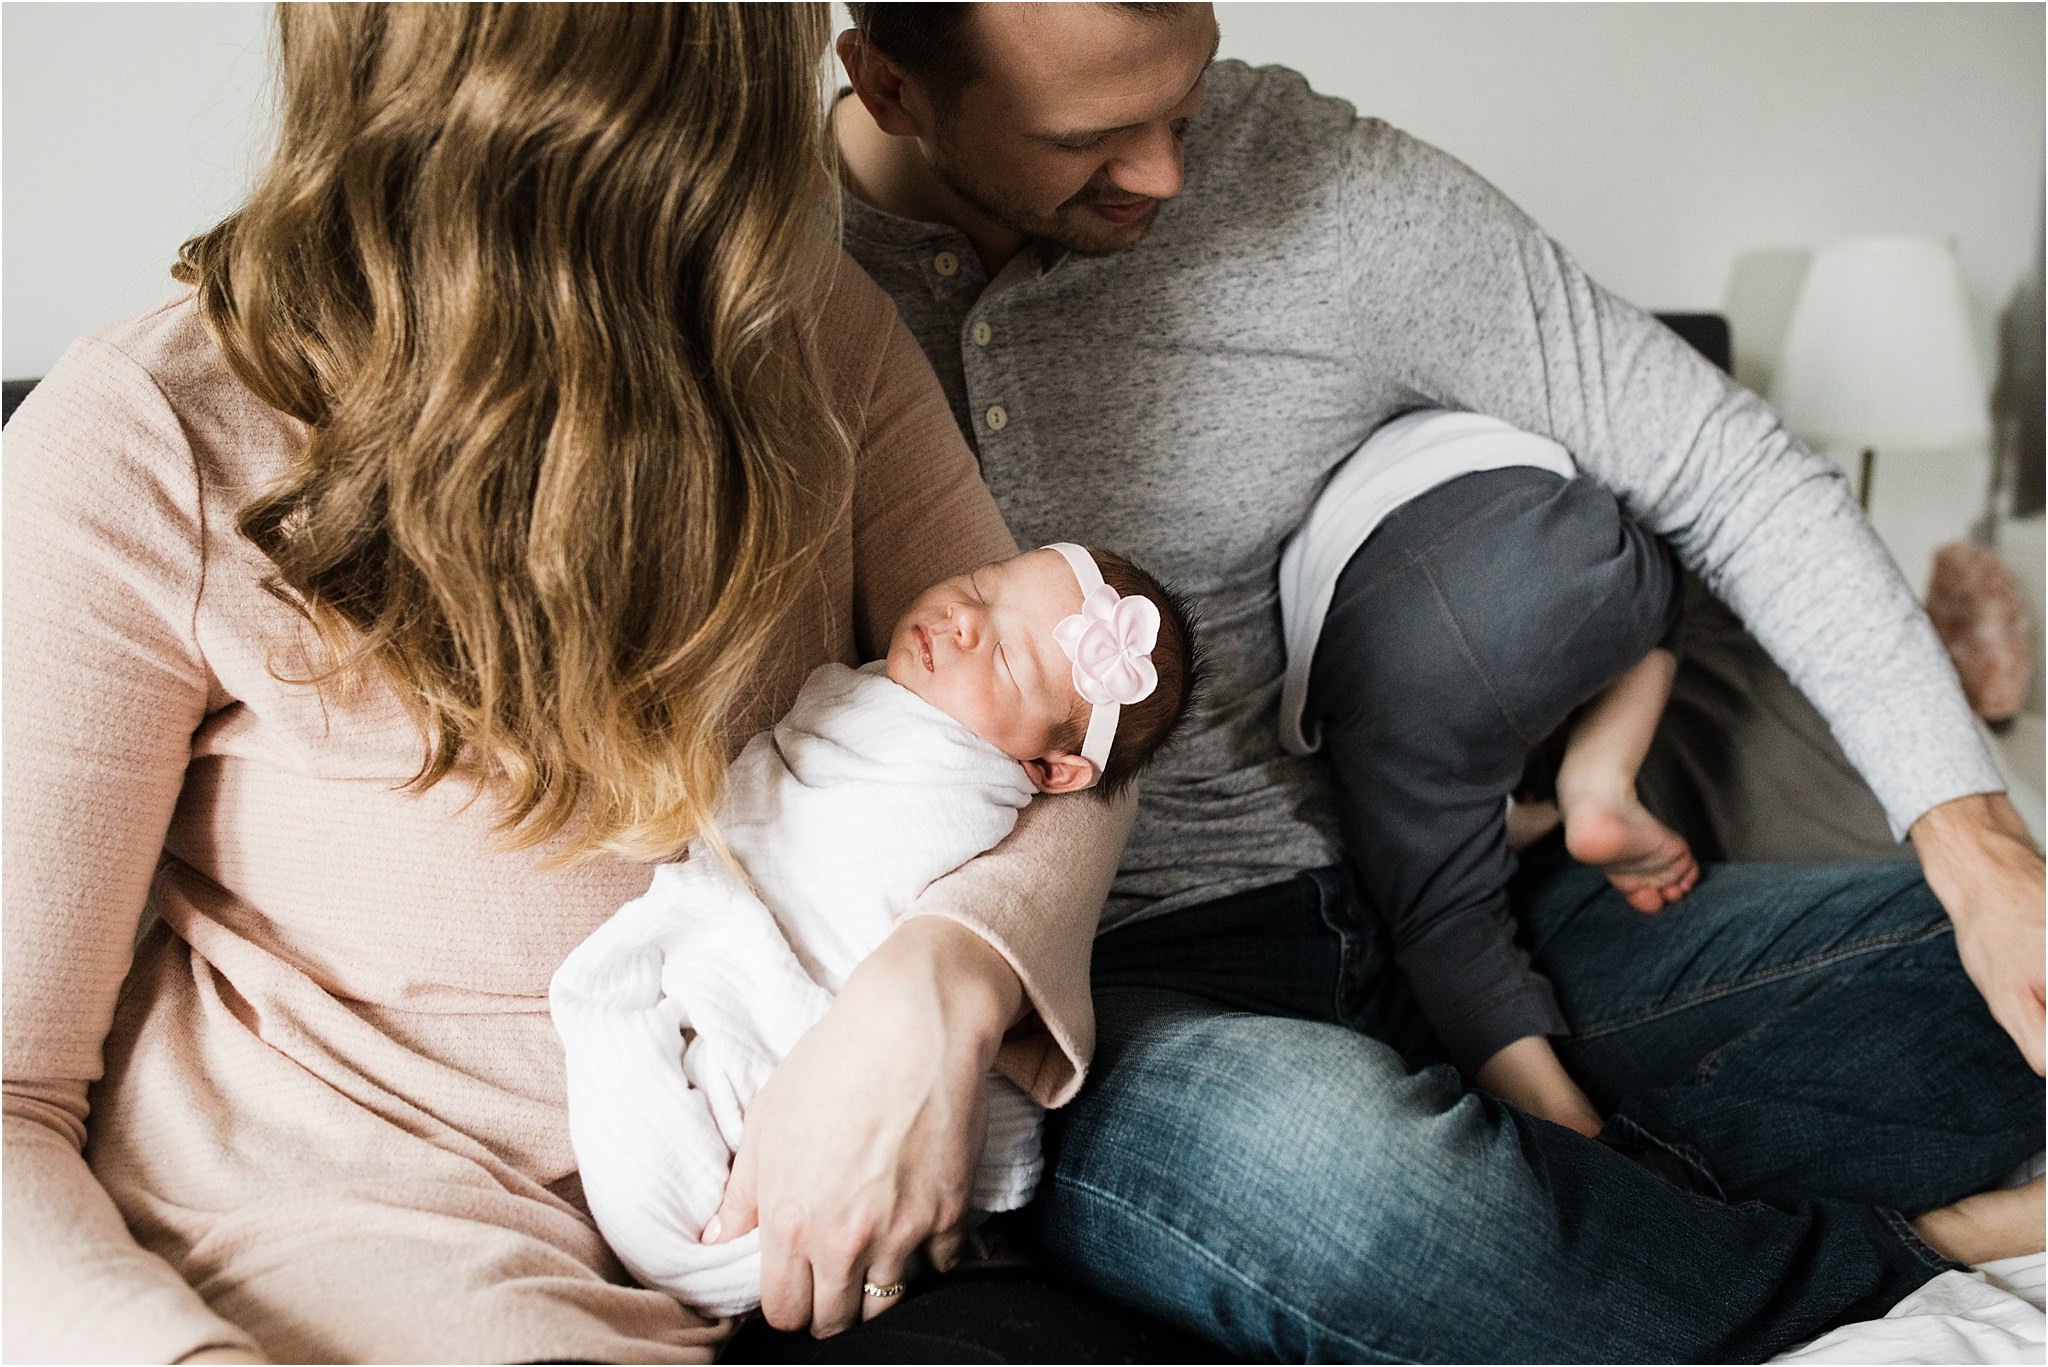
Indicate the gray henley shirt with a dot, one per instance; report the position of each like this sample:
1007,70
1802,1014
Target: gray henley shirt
1182,402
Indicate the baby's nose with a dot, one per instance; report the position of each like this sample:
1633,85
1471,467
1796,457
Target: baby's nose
968,627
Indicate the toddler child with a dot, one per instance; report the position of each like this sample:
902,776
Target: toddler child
1056,671
1454,597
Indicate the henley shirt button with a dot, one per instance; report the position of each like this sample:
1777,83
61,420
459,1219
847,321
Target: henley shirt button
945,263
997,418
982,332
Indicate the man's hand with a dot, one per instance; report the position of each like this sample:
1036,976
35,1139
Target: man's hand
1984,867
1530,1074
862,1145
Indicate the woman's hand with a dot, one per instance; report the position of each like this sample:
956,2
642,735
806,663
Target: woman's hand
861,1147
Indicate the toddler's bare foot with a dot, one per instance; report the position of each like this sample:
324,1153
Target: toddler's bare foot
1988,1226
1649,863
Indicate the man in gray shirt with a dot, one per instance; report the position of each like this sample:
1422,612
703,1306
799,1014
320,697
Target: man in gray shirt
1165,297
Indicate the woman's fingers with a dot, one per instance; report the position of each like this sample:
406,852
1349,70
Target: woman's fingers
882,1287
786,1294
943,1248
872,1283
835,1299
898,1063
735,1214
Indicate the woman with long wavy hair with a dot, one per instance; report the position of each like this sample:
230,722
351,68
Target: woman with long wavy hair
378,609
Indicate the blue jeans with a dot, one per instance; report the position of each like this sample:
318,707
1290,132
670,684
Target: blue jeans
1270,1152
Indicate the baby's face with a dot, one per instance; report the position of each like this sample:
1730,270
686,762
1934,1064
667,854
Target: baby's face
979,648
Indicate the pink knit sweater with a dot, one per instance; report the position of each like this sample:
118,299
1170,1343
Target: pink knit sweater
326,1105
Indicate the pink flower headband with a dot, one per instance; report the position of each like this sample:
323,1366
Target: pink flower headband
1110,641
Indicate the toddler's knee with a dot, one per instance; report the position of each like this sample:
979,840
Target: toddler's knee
1610,568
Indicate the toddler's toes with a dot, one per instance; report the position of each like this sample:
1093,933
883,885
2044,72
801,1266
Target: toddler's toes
1688,876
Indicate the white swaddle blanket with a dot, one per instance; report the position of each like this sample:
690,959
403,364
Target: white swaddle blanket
673,1014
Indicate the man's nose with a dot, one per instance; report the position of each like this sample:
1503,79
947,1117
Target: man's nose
1149,164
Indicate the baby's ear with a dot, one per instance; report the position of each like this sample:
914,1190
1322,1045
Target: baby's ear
1060,772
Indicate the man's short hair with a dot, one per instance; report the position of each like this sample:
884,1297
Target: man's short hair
930,44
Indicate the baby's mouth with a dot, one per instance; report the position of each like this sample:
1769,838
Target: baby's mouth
924,647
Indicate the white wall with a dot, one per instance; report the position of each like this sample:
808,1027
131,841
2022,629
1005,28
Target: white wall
1687,154
1665,145
1668,145
127,128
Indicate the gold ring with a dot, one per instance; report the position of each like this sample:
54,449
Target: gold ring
882,1293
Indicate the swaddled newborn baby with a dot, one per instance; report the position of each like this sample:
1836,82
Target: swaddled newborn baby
1056,671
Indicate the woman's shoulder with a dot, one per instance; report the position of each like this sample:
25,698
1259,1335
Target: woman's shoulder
152,389
854,323
167,339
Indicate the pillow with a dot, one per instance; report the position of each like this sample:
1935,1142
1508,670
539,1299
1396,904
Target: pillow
1744,767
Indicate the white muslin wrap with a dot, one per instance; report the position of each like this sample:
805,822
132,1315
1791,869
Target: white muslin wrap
675,1011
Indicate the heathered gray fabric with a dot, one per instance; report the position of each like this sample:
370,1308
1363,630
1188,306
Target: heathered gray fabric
1183,401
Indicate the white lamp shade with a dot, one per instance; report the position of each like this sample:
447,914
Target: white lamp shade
1879,352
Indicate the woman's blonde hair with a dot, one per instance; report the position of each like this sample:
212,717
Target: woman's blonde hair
536,279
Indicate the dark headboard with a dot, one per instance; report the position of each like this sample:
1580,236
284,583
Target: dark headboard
1708,333
12,392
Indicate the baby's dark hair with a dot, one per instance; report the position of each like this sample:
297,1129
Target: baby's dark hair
1144,728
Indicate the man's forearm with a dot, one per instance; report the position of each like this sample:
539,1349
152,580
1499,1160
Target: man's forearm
1956,830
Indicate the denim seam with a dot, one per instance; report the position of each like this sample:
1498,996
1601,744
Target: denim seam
1921,1250
1302,1317
1344,989
1684,1153
1351,954
1709,1065
1581,1033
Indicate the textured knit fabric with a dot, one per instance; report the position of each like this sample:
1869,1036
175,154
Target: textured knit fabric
1185,399
329,1099
673,1015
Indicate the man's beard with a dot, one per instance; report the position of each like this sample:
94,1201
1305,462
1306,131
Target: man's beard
1071,226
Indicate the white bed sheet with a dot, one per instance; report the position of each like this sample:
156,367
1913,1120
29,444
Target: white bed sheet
1992,1313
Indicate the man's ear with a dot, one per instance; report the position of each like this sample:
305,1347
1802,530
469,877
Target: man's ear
880,85
1060,772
